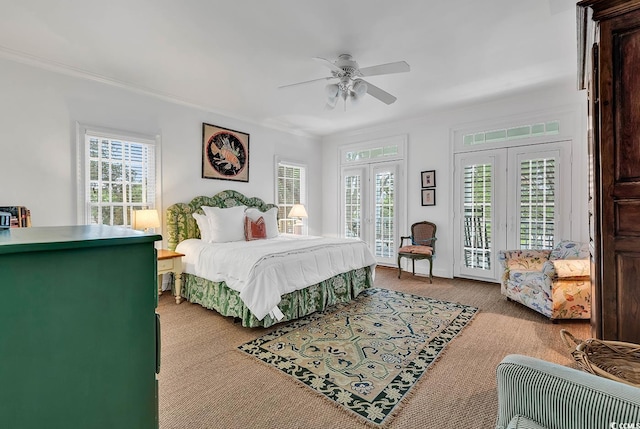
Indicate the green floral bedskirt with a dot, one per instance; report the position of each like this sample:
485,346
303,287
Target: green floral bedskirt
226,301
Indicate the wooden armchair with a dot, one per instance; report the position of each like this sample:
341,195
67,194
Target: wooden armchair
423,242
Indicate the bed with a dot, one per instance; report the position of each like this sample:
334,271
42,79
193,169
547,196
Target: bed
319,272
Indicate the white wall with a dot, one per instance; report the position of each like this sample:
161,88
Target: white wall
39,109
38,112
430,139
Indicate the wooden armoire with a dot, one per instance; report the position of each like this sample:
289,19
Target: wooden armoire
609,53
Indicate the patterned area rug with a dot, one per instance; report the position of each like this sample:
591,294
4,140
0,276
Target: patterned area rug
365,355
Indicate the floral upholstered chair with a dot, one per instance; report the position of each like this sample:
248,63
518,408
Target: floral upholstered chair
553,282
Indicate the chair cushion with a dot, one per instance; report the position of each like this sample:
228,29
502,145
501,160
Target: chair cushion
572,267
420,250
571,299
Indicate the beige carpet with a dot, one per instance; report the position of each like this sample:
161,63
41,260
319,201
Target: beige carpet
205,382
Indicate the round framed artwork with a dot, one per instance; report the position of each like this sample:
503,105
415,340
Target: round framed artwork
225,154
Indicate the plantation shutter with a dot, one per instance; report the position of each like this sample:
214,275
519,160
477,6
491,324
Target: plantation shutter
537,203
478,192
120,176
353,205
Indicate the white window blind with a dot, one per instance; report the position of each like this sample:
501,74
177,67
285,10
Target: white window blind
537,203
385,200
477,216
352,205
119,177
290,189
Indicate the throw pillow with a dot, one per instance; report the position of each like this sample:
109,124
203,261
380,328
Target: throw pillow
270,219
254,230
226,224
203,226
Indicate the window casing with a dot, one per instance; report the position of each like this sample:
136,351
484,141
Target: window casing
117,174
291,188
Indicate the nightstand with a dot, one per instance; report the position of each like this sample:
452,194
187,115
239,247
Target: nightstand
169,261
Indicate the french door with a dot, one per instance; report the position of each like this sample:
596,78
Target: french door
510,198
370,202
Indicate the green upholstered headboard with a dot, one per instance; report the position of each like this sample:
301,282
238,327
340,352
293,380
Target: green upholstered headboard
181,225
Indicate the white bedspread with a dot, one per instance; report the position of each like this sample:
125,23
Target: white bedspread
264,270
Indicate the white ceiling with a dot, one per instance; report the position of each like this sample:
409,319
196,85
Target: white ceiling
231,56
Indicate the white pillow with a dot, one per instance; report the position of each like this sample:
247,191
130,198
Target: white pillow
226,224
270,218
203,226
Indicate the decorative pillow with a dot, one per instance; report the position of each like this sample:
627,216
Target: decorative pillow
203,226
226,224
254,230
270,219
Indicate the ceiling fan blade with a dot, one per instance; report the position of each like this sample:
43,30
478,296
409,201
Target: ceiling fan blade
397,67
306,81
378,93
329,64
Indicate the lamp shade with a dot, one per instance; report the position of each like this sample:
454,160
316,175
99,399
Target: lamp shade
359,88
145,219
298,210
332,90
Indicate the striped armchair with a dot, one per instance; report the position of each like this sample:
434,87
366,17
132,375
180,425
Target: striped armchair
534,394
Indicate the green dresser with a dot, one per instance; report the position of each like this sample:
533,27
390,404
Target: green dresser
79,336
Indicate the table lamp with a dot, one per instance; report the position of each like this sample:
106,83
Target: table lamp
298,211
145,219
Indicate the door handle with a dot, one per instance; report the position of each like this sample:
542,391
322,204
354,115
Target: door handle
158,336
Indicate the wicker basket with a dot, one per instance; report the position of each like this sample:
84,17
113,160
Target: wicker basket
611,359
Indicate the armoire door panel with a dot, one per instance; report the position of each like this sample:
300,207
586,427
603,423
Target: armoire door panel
626,189
628,244
627,217
626,57
628,302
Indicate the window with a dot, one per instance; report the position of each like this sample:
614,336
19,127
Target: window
477,203
537,203
375,151
290,189
117,176
509,198
513,133
372,194
352,205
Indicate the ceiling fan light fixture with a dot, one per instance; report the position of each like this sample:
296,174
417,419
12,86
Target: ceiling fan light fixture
349,86
359,88
332,90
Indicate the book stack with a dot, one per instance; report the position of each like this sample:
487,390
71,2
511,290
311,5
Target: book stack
20,216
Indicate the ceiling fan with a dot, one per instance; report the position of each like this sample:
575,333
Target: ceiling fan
350,84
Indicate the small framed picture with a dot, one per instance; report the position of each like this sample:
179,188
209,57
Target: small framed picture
428,178
429,197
